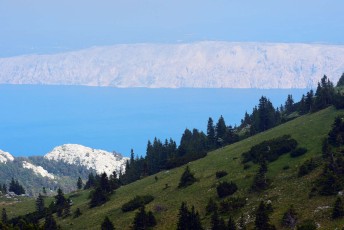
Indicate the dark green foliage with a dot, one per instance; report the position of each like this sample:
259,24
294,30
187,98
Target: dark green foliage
226,189
217,223
187,178
16,187
338,209
61,203
107,224
324,95
260,181
308,166
4,216
211,139
262,221
77,213
289,218
143,220
270,150
220,174
232,204
40,204
289,104
3,188
298,152
79,183
137,202
211,206
91,182
286,167
188,219
307,225
98,197
50,223
242,223
341,81
338,101
231,224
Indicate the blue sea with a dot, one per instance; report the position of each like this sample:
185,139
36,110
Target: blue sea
35,119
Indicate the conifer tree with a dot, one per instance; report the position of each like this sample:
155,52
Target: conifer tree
98,197
217,223
221,132
338,209
187,178
77,213
107,224
50,223
262,221
143,220
4,218
231,224
79,183
60,202
188,219
341,81
40,204
211,141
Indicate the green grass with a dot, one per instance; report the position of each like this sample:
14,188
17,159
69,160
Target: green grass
286,188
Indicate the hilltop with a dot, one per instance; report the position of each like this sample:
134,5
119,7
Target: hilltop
208,64
286,187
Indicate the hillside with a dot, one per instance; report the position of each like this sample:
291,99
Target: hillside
286,188
195,65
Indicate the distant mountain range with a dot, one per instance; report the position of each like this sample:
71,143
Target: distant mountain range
59,168
199,65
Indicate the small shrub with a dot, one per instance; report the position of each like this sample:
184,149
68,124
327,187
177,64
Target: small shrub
307,225
220,174
211,206
137,202
286,167
298,152
247,166
226,189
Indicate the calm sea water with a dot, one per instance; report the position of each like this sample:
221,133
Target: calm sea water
35,119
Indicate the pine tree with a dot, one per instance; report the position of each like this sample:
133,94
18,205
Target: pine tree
217,223
79,183
262,218
338,209
104,183
4,218
50,223
231,224
98,197
211,206
143,220
107,224
187,178
40,204
341,81
77,213
60,202
183,217
211,141
221,132
289,104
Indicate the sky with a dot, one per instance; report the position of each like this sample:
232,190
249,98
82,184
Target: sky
48,26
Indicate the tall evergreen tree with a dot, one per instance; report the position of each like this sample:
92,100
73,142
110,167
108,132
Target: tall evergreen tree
50,223
211,140
217,223
188,219
324,94
262,221
289,104
341,81
60,202
79,183
4,217
338,209
231,224
143,220
221,132
107,224
40,204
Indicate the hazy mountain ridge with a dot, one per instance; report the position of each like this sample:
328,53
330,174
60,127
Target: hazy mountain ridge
199,65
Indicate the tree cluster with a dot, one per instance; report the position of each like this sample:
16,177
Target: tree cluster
3,188
136,202
187,178
224,189
188,219
143,219
16,187
103,187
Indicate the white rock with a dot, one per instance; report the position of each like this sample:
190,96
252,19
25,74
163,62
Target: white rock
5,156
99,160
198,65
38,170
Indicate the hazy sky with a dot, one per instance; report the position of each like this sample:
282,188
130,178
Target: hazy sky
46,26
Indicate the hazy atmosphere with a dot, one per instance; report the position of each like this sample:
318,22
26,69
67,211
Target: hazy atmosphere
41,26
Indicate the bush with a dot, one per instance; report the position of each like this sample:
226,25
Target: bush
270,150
298,152
137,202
307,225
187,178
220,174
286,167
226,189
232,204
307,167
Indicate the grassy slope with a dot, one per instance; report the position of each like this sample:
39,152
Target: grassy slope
286,188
